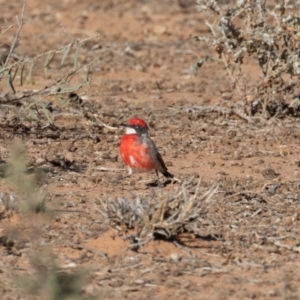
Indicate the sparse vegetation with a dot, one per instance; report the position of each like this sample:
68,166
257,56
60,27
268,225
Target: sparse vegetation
159,217
16,173
73,226
50,64
49,281
264,33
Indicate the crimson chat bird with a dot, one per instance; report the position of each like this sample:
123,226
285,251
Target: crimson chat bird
139,152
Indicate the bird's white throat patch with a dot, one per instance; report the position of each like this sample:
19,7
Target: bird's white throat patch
130,130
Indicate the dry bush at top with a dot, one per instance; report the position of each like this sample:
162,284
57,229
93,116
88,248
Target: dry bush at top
61,65
30,111
159,217
269,34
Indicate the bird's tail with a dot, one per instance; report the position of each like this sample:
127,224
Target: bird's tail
167,174
163,169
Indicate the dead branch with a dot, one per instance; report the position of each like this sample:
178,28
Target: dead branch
16,39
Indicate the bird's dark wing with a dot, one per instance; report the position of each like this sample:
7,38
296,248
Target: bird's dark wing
164,169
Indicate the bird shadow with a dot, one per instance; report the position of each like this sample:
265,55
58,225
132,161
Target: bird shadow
159,184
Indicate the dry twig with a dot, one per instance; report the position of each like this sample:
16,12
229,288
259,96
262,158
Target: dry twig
16,39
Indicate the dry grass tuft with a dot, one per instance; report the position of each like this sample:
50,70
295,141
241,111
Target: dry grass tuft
159,217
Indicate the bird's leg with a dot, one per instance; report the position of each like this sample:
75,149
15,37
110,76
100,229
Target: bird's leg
157,175
129,172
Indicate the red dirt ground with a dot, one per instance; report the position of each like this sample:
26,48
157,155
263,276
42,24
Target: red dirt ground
247,246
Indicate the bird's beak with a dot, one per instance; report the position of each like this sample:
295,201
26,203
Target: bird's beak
123,124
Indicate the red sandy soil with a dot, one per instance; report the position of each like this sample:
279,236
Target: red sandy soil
247,246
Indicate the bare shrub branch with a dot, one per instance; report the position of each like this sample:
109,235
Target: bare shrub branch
263,33
16,39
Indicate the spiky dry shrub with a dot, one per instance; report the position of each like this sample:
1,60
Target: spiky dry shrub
27,197
7,204
266,32
60,65
31,198
49,280
159,216
26,201
54,59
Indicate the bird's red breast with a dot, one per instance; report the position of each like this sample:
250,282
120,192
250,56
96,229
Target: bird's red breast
136,154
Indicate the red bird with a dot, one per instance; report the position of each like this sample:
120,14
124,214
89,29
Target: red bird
139,152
